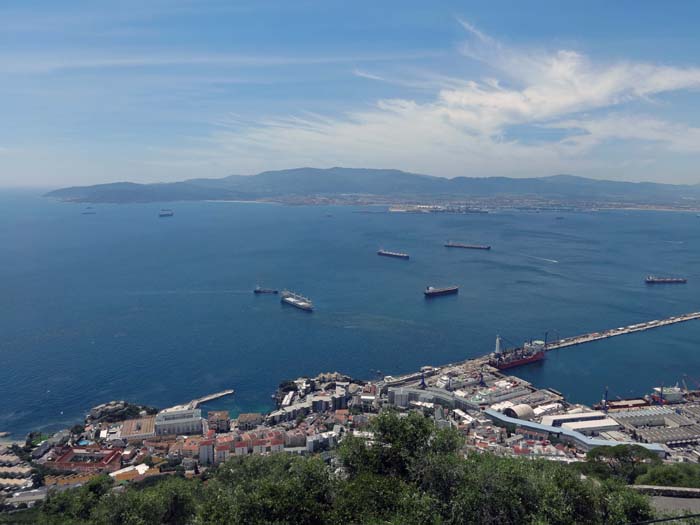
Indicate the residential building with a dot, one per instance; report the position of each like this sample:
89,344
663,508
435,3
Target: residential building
219,420
249,421
179,420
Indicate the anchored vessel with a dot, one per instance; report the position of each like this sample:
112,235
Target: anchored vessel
166,213
450,244
259,290
652,279
530,352
667,395
432,291
297,301
387,253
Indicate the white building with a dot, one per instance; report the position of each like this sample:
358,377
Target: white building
593,426
179,420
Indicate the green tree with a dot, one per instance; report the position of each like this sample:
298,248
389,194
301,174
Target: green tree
623,462
674,475
275,489
75,506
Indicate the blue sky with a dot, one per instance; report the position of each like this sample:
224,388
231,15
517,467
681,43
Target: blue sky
146,91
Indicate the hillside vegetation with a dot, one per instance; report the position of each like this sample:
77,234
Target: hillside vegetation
410,473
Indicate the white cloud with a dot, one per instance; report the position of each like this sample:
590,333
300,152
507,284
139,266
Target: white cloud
461,131
672,136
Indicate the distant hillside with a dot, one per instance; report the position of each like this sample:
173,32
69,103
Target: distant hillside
337,182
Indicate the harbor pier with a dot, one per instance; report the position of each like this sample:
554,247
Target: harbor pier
211,397
623,330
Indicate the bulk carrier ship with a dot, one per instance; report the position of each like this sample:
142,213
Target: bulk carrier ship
450,244
297,301
531,352
398,255
652,279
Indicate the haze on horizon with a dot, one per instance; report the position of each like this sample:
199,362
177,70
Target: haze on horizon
95,92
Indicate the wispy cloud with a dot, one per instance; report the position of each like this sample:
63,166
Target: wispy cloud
462,129
676,137
43,63
369,76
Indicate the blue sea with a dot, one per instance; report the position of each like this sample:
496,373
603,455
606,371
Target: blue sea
125,305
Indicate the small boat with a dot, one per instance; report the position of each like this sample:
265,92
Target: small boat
260,290
166,213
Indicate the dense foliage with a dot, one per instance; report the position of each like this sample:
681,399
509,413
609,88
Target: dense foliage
633,464
410,473
622,462
675,475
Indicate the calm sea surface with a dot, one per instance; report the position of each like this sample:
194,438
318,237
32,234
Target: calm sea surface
124,305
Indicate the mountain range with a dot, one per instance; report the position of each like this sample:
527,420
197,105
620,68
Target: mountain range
339,183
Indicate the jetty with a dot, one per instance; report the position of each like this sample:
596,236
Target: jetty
211,397
623,330
477,362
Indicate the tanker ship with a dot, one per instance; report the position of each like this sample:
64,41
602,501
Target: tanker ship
450,244
652,279
432,291
531,352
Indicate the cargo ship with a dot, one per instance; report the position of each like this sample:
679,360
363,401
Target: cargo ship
297,301
652,279
398,255
260,290
450,244
166,213
531,352
432,291
666,395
